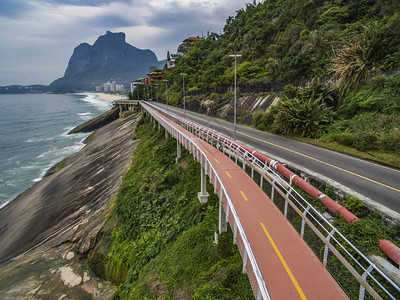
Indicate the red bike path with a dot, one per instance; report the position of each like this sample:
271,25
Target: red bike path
289,267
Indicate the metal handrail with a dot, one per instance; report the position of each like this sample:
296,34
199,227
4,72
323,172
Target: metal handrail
286,190
263,290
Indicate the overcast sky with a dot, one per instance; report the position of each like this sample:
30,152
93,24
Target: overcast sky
37,37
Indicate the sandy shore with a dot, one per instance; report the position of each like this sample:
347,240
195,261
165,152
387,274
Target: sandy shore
108,97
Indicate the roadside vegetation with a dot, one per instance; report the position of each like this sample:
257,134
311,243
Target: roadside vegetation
366,120
344,51
163,245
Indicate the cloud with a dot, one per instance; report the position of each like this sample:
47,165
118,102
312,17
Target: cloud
38,37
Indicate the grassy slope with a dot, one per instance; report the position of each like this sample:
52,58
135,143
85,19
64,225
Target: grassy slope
165,236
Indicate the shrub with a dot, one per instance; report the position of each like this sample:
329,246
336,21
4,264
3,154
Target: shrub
357,58
303,117
381,95
369,131
264,120
391,140
344,138
366,140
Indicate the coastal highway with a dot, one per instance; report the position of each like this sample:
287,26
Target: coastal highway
376,182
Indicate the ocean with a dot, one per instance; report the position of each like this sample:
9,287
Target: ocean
34,135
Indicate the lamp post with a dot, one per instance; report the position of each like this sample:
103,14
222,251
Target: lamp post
184,102
166,91
234,112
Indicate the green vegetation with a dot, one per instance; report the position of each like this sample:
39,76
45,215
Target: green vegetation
60,165
370,117
344,47
286,40
163,245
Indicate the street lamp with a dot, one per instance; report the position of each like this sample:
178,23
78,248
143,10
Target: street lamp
166,91
234,112
184,102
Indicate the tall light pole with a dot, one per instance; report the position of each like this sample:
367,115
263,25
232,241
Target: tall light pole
184,102
234,109
166,91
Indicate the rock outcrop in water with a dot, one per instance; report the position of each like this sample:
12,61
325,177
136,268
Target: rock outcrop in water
47,232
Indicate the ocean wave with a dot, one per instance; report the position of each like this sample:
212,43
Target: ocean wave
100,104
7,201
66,132
74,136
85,116
63,152
6,183
44,170
55,157
33,140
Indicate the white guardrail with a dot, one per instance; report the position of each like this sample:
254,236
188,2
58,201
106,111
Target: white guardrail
260,290
359,266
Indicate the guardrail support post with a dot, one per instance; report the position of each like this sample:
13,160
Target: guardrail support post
178,151
203,195
222,226
244,269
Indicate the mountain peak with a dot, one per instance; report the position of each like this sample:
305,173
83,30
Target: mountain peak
117,37
110,57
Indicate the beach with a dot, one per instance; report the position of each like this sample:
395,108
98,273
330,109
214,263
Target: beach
108,97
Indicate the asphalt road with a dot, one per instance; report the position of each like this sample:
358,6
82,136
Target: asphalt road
376,182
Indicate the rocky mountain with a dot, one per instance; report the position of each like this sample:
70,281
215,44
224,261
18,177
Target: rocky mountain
110,58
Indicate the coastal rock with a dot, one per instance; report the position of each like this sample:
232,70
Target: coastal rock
91,125
68,277
47,232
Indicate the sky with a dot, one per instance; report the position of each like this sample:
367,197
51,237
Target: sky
38,37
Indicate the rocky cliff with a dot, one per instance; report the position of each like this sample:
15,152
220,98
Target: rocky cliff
47,232
110,58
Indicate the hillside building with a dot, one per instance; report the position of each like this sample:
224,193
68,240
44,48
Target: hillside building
187,44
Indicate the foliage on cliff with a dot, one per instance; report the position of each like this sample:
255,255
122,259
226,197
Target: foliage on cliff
344,50
367,119
165,236
340,45
291,39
